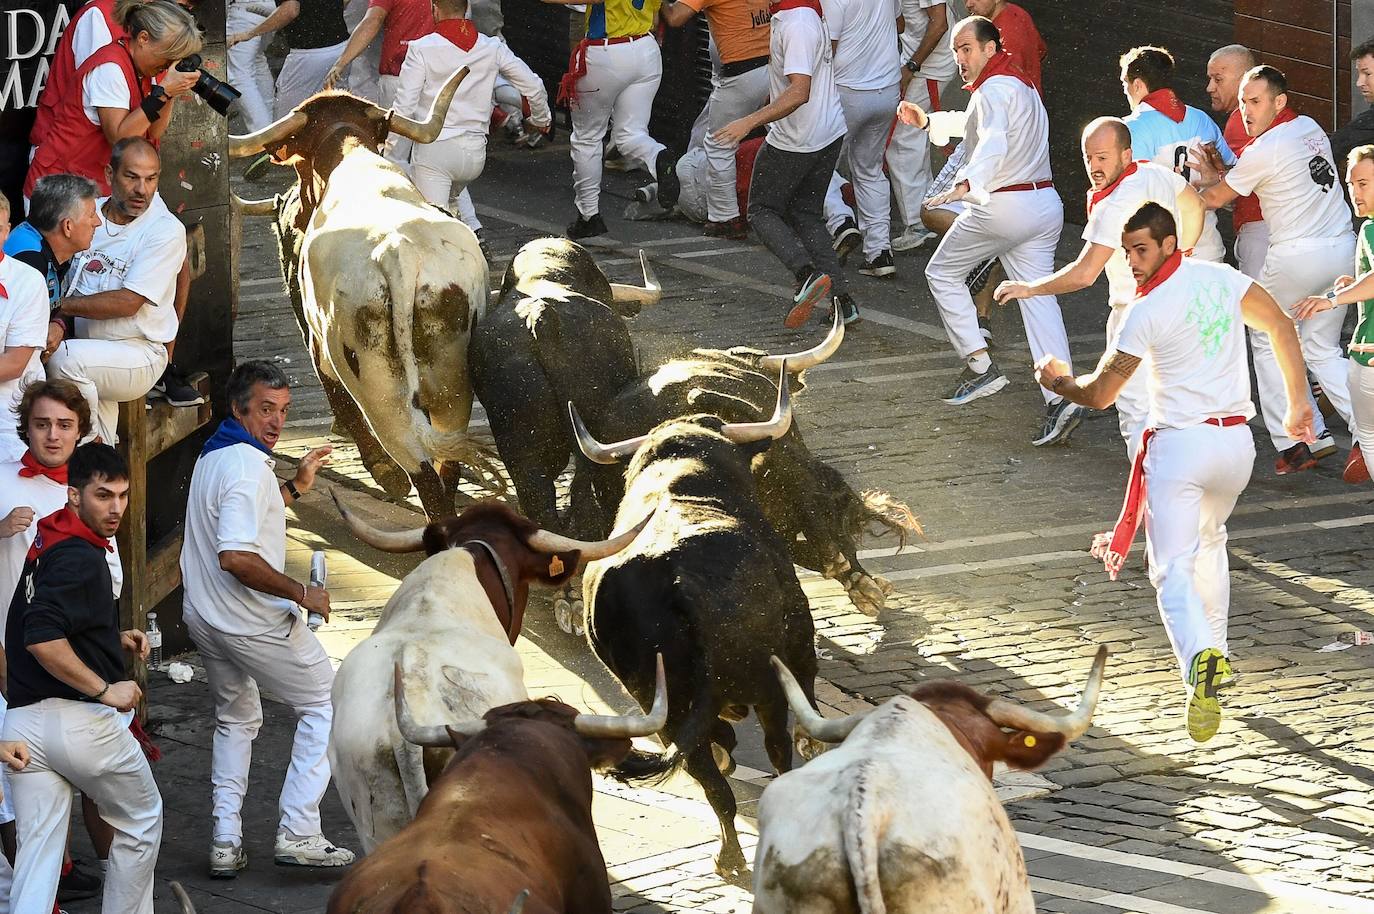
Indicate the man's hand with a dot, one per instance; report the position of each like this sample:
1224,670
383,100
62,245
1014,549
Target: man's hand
1049,370
237,38
1310,306
907,77
1343,281
1297,421
316,600
310,465
14,753
1208,164
176,82
135,642
334,75
57,332
912,114
958,192
1008,290
122,696
17,521
733,133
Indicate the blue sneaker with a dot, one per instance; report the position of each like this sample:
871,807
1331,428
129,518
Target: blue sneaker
814,290
973,386
1060,420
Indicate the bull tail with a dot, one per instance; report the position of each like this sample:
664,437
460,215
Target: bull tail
860,837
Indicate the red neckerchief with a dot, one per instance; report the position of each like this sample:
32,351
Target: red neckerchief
1000,64
780,5
1097,196
31,467
63,524
1283,117
4,293
1113,547
1166,103
459,31
1164,272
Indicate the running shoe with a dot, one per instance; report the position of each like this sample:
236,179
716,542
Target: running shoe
1208,669
880,266
174,388
810,292
1295,459
849,310
977,278
226,859
669,187
77,884
317,850
973,386
587,227
1324,446
911,238
1060,420
847,239
736,229
1355,469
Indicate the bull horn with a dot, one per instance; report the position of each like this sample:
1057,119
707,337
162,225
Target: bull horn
519,904
651,293
1072,726
594,450
774,428
183,899
809,358
625,726
385,540
428,131
269,137
832,730
432,737
244,207
544,541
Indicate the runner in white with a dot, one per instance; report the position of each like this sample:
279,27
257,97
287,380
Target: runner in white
1289,167
1120,186
1197,456
1013,213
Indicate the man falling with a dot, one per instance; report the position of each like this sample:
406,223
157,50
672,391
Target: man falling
1197,455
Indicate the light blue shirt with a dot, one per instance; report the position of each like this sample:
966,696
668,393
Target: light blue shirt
1156,138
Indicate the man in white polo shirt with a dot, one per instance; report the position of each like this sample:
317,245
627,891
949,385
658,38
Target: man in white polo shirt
122,291
1196,457
1288,166
244,616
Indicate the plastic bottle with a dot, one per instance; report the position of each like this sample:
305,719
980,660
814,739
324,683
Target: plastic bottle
154,642
318,576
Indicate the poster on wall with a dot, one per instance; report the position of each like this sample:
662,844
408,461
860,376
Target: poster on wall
28,37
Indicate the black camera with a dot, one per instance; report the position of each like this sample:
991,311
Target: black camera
218,95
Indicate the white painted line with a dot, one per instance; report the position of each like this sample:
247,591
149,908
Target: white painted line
270,281
1108,898
712,252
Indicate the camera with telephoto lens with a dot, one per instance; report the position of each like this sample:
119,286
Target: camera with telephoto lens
217,94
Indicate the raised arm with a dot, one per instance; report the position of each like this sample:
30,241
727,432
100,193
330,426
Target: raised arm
1080,274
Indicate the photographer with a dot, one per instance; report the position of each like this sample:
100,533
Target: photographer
117,95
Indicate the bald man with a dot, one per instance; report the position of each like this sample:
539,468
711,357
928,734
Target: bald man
1225,69
1120,187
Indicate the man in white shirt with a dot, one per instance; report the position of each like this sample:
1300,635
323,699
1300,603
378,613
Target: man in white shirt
1012,212
23,334
1196,458
793,169
244,616
927,64
1120,186
443,169
1288,166
247,61
122,291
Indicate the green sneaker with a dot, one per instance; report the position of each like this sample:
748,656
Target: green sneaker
1204,709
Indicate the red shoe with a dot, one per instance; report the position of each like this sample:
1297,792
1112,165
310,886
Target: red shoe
814,290
1355,469
736,229
1295,459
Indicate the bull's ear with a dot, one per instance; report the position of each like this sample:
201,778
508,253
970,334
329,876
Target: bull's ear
1024,749
458,738
560,567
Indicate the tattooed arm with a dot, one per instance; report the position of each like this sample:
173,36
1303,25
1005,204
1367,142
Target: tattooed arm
1097,390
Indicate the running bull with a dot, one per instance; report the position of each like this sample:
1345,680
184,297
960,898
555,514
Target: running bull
710,586
390,286
512,811
852,832
449,629
817,513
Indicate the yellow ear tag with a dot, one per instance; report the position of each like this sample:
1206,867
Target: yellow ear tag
555,567
1030,741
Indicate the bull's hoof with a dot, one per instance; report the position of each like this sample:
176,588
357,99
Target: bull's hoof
562,614
579,618
731,867
724,761
884,585
734,713
807,747
391,478
867,594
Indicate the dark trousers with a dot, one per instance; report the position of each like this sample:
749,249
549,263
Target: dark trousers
787,208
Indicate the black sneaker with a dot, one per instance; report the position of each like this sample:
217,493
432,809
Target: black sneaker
849,309
669,187
78,884
986,330
1060,420
977,278
880,266
173,388
973,386
587,227
482,246
847,239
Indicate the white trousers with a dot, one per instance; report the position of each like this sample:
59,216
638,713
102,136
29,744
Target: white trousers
908,155
1362,404
1133,403
731,97
291,664
362,74
1193,477
79,745
248,70
109,372
621,82
1021,228
1292,271
1252,245
443,169
302,75
867,117
467,212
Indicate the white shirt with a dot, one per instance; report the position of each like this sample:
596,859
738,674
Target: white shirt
1289,167
144,256
1190,328
432,59
939,65
45,497
234,505
799,42
90,33
23,322
1008,134
105,87
866,56
1149,183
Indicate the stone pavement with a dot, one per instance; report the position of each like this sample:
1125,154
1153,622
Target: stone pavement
1274,815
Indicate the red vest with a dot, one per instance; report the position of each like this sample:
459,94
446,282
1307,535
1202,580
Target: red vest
62,81
75,145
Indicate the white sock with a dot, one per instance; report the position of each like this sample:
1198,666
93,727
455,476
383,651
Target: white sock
980,363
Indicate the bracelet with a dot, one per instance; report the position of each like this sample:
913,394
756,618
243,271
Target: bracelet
1054,385
291,488
153,104
303,593
97,696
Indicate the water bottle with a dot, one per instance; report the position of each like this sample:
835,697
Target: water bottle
154,642
318,576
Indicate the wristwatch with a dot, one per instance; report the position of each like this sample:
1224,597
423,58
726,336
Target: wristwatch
291,487
911,67
1331,295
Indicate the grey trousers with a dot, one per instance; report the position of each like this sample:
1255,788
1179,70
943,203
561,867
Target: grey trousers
787,208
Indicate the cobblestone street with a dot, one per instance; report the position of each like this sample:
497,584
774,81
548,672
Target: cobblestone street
1276,814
